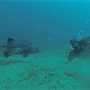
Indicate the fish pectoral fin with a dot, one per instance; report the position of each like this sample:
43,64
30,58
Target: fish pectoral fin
7,54
25,55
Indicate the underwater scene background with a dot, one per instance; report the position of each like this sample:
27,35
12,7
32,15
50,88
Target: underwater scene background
49,25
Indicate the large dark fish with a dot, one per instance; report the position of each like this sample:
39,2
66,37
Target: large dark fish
81,48
23,47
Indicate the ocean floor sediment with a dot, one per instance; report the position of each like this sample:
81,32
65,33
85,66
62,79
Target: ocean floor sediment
44,71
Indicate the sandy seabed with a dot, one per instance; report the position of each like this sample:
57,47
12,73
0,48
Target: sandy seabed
45,71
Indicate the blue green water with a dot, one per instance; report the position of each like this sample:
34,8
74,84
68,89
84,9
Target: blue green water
47,24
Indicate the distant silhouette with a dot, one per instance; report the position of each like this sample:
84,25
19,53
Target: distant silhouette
22,47
81,48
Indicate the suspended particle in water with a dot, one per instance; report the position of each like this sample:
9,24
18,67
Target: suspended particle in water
87,22
80,36
81,31
49,38
78,33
